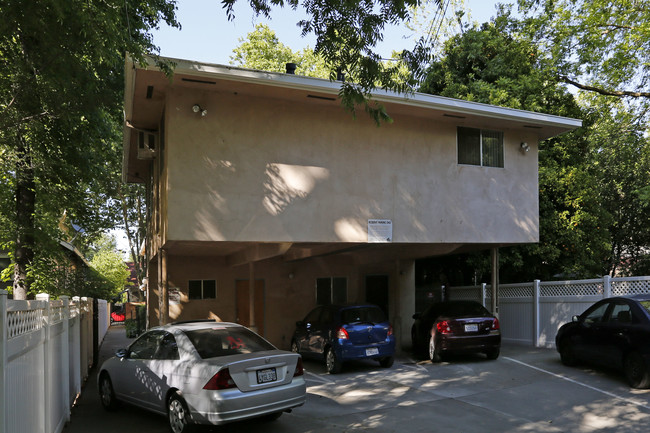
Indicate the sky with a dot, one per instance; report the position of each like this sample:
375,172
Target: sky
207,36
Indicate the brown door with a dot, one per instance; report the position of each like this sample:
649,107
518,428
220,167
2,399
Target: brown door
243,304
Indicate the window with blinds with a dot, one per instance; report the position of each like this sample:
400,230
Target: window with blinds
480,147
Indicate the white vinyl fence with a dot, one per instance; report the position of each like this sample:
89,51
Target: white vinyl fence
46,350
531,313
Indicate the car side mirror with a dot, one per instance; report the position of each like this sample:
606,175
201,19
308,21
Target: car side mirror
121,353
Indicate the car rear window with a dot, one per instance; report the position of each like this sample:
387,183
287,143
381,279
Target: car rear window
464,309
214,342
363,314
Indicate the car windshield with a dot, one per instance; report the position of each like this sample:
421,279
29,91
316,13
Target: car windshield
363,314
222,341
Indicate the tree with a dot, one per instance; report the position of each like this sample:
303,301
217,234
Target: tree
110,266
262,50
61,86
596,45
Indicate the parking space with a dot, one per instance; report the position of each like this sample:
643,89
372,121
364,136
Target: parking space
524,390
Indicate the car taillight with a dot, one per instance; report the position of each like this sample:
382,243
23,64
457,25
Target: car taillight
342,334
443,327
221,380
495,324
299,369
390,331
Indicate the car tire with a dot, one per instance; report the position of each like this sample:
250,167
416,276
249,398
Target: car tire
434,350
332,362
636,371
567,356
387,361
492,354
294,347
106,392
178,415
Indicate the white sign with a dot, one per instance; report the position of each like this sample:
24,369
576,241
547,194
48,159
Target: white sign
380,231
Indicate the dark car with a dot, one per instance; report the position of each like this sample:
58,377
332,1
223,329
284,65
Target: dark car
614,332
339,333
456,327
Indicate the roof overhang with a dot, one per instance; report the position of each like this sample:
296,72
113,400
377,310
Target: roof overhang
189,74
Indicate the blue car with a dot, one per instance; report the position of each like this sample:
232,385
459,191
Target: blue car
339,333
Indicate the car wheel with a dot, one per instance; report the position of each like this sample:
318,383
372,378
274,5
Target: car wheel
636,371
492,353
387,362
332,361
567,356
434,350
178,414
294,347
106,392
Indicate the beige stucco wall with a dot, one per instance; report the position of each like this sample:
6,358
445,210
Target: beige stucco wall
290,291
260,169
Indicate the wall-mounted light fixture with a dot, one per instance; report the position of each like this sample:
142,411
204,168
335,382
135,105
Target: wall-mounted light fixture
197,109
525,147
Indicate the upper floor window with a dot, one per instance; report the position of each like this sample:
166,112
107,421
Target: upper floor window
202,289
480,147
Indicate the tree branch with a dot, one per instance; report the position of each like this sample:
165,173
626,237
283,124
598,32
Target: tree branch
600,90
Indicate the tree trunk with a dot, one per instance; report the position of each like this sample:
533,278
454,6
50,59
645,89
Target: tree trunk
25,208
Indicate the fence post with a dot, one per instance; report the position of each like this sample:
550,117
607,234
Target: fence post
3,361
607,286
483,289
47,364
536,284
65,354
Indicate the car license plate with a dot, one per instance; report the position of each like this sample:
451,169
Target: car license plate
471,328
266,375
372,351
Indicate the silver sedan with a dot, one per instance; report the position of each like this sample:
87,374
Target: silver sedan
203,373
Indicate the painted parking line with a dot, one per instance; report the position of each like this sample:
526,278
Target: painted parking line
593,388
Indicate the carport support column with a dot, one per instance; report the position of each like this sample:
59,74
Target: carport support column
251,297
495,281
403,303
163,284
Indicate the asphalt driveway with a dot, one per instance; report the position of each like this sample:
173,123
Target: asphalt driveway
525,390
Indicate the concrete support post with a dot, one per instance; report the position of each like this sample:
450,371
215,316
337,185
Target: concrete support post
495,281
163,286
536,318
404,304
251,297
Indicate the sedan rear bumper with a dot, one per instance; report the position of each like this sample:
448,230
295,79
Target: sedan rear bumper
469,343
220,407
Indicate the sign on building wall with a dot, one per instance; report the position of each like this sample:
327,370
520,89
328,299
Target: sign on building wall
380,231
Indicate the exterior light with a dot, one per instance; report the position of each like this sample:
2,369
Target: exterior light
197,109
525,147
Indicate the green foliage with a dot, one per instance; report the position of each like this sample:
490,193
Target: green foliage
262,50
109,264
61,87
